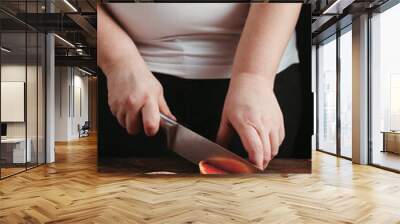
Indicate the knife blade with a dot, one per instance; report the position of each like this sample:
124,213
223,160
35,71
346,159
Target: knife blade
195,148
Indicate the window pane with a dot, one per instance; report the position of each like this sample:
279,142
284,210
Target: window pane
14,150
41,98
346,94
31,100
327,97
385,86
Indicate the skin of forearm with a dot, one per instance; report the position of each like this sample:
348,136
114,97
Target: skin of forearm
114,45
264,39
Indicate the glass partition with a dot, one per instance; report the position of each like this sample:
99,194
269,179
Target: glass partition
346,93
32,96
14,153
22,89
385,89
41,97
327,96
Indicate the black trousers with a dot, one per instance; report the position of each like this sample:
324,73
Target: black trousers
198,105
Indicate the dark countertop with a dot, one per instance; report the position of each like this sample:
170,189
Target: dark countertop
181,166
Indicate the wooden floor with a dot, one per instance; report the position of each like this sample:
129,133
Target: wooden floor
72,191
5,172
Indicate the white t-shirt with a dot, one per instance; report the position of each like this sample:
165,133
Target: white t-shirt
189,40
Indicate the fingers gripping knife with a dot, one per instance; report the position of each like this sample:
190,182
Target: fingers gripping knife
195,147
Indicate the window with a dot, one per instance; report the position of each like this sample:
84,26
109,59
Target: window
327,96
22,76
346,93
385,88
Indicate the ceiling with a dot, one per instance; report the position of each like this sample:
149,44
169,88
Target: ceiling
332,15
72,20
39,6
16,43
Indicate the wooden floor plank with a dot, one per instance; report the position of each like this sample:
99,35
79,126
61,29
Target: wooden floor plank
73,191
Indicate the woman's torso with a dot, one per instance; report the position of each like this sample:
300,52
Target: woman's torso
188,40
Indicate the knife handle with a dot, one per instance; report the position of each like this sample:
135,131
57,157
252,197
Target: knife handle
169,126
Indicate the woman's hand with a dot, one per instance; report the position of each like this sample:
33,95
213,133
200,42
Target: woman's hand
136,98
134,95
251,109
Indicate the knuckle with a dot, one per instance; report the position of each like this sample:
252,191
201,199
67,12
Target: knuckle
252,151
271,122
267,129
236,117
130,101
146,96
160,89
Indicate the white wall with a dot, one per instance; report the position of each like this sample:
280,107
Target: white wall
15,72
70,83
61,103
79,117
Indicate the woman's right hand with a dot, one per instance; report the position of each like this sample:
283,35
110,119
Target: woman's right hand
136,98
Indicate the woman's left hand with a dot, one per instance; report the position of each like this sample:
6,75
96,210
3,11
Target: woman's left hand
252,110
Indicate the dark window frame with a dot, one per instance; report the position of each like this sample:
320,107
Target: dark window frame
334,37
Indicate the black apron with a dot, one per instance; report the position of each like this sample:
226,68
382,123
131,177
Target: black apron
198,105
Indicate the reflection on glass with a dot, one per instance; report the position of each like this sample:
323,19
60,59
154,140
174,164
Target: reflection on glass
346,94
41,99
22,90
14,153
327,97
385,114
31,100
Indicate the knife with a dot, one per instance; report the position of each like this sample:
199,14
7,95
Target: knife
195,147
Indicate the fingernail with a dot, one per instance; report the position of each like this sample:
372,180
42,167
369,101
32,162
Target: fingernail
148,132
